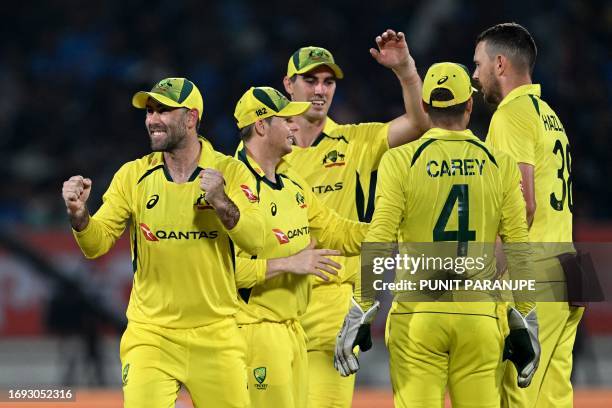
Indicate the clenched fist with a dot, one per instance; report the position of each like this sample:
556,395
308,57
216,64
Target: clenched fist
75,193
212,183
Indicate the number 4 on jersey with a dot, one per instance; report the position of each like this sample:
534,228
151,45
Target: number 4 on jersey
459,194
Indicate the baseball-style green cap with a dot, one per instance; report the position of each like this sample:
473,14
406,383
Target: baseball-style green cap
308,58
451,76
262,102
175,92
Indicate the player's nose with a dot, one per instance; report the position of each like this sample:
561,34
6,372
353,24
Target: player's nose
320,88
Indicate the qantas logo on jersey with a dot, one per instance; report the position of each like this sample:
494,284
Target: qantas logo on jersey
333,159
146,231
280,236
285,238
248,193
328,188
201,203
300,200
178,235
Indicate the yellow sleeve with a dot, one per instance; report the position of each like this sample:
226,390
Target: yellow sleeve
513,132
389,208
108,223
248,233
371,138
330,229
514,233
250,272
390,202
513,225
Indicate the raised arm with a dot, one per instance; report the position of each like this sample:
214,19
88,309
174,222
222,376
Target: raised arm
393,53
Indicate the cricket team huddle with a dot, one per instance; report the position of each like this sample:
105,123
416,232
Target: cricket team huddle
247,287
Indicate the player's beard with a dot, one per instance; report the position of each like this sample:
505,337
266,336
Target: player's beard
492,93
175,136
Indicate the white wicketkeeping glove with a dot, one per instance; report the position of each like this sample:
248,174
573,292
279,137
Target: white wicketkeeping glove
355,331
522,346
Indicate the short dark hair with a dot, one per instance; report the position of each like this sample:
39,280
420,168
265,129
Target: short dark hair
448,114
514,41
247,131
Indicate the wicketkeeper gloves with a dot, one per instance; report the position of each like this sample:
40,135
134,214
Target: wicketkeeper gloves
522,346
355,331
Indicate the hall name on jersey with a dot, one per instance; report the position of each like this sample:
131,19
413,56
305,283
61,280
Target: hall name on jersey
455,167
551,122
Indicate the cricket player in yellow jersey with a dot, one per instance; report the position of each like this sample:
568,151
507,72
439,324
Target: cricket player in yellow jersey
186,205
340,163
526,127
276,286
447,186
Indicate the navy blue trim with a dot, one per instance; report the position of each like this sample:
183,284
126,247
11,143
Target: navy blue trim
185,91
359,198
365,211
245,294
167,173
323,135
160,166
242,156
536,105
196,173
232,253
135,258
369,212
485,150
285,176
420,150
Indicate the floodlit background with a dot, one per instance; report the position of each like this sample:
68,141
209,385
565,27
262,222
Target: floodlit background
67,75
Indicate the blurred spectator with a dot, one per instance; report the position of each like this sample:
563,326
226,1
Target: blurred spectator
68,81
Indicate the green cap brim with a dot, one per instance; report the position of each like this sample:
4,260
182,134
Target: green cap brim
293,109
334,67
139,100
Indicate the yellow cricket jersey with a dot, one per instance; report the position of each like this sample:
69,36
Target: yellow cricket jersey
341,167
182,256
292,213
447,186
525,127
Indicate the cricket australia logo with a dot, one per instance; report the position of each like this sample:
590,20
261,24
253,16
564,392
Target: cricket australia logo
300,200
124,374
317,55
164,85
333,159
260,376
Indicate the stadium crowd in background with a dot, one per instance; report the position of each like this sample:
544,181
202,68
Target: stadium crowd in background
66,80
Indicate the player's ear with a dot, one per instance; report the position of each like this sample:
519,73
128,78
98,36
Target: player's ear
425,107
501,63
288,86
469,106
193,116
260,128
